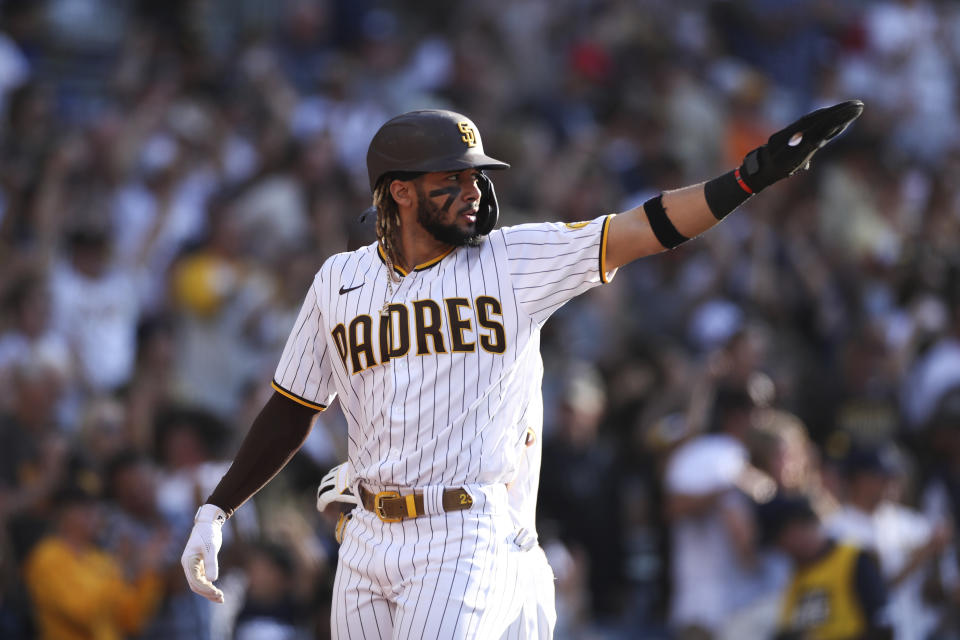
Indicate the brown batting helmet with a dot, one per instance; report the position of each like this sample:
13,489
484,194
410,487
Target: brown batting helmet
427,140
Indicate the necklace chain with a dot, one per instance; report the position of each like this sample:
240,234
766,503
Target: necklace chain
388,295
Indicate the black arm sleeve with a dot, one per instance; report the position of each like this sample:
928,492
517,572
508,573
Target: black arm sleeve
277,433
872,594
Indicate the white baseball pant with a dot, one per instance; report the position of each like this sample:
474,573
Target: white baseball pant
455,575
538,616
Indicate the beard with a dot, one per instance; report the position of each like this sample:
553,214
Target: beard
429,216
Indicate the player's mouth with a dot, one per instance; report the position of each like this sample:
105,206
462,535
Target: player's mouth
470,214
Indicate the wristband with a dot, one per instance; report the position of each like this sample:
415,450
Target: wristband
660,224
725,193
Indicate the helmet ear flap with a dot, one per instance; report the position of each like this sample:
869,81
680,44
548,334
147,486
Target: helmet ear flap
363,230
489,210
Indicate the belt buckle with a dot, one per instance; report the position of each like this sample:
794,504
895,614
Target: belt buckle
378,505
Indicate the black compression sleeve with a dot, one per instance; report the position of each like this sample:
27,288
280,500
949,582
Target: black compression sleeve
277,433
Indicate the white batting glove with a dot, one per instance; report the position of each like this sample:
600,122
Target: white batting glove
199,558
525,539
335,487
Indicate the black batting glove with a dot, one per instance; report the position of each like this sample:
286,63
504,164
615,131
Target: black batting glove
790,149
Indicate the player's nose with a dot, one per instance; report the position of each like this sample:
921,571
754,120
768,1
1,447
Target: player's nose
471,190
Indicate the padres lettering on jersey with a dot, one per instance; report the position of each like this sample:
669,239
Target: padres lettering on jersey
393,332
821,600
439,376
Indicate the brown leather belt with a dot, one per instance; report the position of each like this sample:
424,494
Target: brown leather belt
390,506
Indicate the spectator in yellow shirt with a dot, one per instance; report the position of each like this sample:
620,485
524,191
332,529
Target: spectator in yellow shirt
836,592
80,592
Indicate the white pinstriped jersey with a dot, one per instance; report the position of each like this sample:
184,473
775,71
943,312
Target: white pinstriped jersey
440,379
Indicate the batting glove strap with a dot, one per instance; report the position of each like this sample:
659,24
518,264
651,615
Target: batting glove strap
210,513
790,149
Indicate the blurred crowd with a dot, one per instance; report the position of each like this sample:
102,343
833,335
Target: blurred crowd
782,392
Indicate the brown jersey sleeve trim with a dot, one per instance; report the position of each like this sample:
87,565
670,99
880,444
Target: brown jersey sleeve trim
296,398
276,434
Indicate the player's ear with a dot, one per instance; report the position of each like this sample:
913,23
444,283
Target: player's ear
404,192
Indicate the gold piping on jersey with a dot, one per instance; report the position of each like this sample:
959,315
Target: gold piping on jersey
603,248
296,398
419,267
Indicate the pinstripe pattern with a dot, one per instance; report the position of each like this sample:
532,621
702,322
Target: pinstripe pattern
463,580
441,418
455,416
361,606
305,370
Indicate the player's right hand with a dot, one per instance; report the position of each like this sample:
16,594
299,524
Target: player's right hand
335,487
199,558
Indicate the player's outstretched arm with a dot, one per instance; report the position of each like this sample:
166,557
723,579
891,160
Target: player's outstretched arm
277,433
676,216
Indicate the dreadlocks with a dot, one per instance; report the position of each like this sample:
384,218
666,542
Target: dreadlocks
388,219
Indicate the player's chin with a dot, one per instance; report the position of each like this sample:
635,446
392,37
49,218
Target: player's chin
468,230
459,233
468,237
463,230
467,226
474,240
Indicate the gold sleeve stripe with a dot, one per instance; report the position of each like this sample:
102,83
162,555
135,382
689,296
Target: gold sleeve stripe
296,398
603,248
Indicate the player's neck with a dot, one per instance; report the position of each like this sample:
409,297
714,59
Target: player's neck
419,246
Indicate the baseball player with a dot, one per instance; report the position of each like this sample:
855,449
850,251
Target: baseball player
538,614
430,338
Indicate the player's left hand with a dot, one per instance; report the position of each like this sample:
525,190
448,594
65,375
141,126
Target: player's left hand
335,487
790,149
